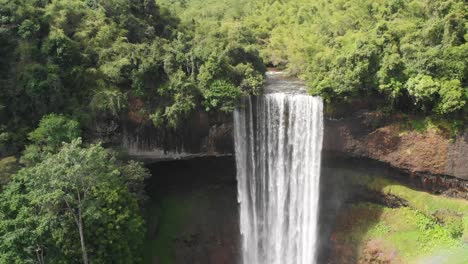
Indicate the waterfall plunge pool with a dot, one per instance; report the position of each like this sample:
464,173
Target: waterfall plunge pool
193,210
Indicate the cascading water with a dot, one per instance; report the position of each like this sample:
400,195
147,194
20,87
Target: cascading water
278,140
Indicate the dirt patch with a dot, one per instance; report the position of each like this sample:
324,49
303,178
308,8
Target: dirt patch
378,253
369,134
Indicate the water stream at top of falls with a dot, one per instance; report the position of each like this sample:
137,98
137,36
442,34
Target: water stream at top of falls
278,142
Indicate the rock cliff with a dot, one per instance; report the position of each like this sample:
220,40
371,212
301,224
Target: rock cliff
369,134
359,133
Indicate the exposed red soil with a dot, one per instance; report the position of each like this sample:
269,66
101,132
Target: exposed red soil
370,135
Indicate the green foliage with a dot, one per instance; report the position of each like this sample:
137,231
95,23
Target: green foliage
6,139
452,97
447,96
400,228
134,175
43,206
8,166
109,100
52,131
450,127
250,79
413,52
170,214
90,58
183,90
452,222
423,88
222,94
451,213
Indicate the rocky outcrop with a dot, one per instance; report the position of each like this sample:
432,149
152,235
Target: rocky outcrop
353,132
203,134
370,134
457,157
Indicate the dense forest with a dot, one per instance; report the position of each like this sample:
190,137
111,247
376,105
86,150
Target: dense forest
89,58
413,53
66,63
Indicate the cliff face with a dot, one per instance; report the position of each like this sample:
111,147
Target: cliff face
370,135
201,135
362,134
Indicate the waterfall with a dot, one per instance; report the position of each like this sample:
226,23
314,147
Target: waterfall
278,142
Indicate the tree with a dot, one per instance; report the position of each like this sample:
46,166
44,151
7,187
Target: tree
8,166
345,48
73,206
92,59
47,138
53,130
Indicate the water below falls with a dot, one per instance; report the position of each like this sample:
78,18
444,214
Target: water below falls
278,141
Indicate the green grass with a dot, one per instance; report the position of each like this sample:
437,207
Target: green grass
422,201
174,214
412,234
432,227
423,124
454,256
171,213
418,229
452,212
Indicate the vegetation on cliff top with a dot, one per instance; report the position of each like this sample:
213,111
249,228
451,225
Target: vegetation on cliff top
90,59
65,64
412,52
101,58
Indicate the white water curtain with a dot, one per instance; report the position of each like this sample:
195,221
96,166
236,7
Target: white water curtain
278,142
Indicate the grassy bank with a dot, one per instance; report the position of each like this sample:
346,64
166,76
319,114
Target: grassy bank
166,218
193,225
431,229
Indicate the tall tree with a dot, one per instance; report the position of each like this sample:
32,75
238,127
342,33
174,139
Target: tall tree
72,205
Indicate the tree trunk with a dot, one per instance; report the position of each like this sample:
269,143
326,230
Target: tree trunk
82,240
40,255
